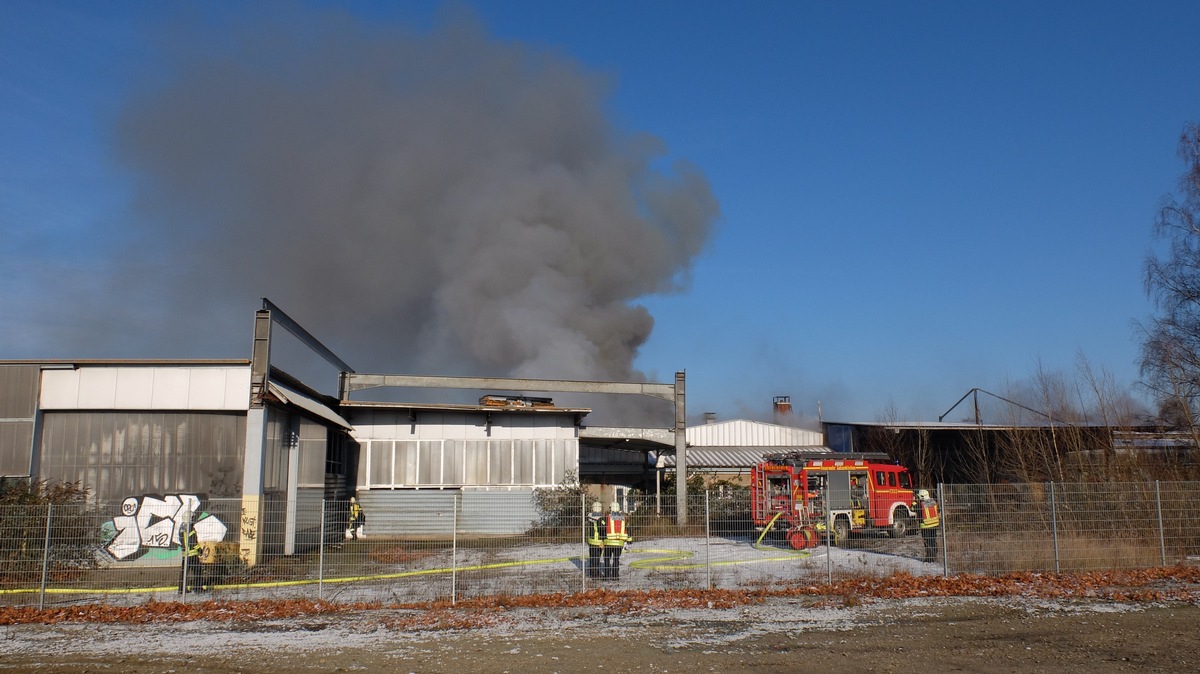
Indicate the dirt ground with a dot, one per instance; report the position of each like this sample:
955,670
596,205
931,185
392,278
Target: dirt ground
779,634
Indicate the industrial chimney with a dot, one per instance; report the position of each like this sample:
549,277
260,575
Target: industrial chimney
783,407
710,417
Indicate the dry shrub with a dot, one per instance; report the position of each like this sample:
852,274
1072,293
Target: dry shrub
1006,553
394,554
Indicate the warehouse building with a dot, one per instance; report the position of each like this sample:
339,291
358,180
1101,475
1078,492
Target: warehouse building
170,441
255,455
414,460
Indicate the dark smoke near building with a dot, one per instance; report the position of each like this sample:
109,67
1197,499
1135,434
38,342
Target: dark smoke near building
442,203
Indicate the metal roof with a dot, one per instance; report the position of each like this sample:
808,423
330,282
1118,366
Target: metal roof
964,425
733,457
128,361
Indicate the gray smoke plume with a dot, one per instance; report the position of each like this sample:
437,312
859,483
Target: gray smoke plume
437,204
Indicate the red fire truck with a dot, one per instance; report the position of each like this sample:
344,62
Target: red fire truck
801,495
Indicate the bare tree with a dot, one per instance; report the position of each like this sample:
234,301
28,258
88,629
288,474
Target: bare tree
911,448
1111,406
1170,362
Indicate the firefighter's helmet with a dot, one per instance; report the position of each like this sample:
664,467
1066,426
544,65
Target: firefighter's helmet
596,507
614,507
922,494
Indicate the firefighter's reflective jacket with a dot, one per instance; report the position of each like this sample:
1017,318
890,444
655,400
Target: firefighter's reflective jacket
615,533
191,544
929,514
595,530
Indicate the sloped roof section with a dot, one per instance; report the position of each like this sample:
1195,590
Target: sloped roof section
733,458
290,396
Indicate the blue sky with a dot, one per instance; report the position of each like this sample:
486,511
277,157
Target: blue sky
915,198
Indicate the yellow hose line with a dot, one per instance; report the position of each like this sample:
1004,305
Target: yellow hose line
658,563
76,590
759,546
426,572
766,529
661,562
293,583
653,562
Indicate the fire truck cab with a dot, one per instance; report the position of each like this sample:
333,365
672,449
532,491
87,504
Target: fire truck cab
801,495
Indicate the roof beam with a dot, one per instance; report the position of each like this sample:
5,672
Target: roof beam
305,337
357,382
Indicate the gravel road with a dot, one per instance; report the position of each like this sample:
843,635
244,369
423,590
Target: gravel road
779,634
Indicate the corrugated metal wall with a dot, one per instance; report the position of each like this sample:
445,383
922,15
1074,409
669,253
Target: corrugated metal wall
409,512
18,405
119,454
309,503
430,512
497,512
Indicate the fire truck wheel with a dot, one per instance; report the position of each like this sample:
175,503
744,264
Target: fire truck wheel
841,530
900,527
797,539
814,539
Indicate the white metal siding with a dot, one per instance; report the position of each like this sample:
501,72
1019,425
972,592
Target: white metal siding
743,433
391,464
146,388
451,449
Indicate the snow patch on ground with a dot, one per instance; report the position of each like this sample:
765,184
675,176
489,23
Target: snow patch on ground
342,633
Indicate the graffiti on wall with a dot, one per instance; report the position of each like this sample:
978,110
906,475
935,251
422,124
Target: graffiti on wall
155,523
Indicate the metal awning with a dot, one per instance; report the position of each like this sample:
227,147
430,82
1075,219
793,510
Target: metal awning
290,396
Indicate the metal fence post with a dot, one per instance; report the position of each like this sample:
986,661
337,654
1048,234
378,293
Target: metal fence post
1162,536
1054,527
454,551
184,539
321,555
707,541
828,543
583,517
941,498
45,558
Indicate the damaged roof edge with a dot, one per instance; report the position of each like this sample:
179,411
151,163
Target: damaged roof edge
442,407
290,396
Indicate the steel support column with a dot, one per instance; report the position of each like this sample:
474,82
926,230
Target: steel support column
680,449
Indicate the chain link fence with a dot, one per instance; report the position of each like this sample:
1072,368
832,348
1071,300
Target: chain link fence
449,548
993,529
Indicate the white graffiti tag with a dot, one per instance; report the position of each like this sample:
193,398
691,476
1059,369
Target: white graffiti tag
156,522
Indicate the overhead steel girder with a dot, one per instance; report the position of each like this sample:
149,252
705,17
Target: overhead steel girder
356,382
305,337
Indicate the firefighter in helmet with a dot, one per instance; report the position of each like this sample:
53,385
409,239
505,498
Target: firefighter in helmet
354,527
594,529
616,537
189,564
929,523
